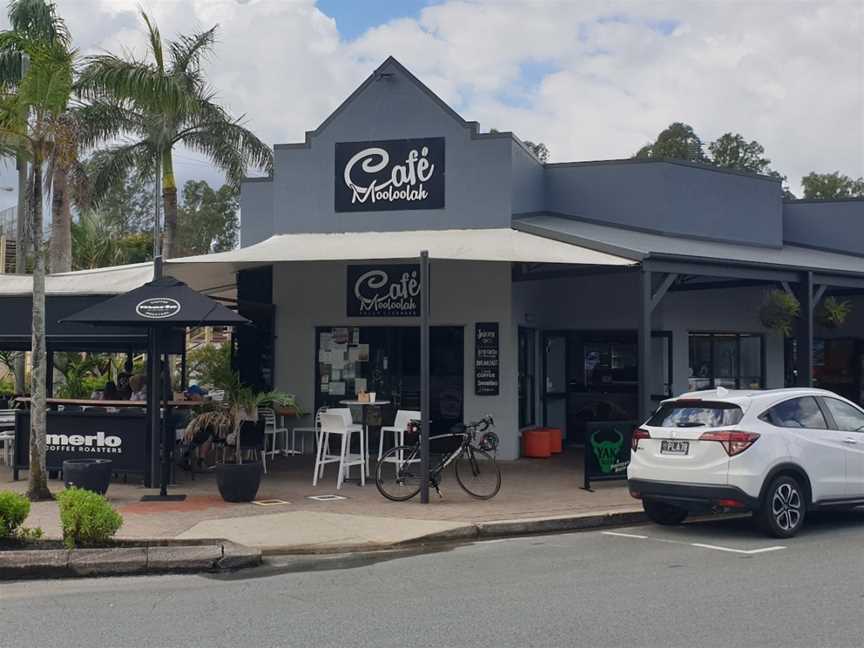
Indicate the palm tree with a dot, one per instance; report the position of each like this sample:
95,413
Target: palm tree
35,20
95,244
155,104
30,121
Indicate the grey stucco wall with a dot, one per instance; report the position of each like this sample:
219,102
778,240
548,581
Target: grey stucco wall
526,189
831,225
256,211
669,198
463,293
477,168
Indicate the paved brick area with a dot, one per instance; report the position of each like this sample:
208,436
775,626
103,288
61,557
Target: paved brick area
531,488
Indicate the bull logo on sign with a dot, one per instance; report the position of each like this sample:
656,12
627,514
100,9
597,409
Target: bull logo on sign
607,451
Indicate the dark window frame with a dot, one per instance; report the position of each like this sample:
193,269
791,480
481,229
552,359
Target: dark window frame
738,335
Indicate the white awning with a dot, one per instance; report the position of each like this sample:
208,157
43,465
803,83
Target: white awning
102,281
503,244
214,273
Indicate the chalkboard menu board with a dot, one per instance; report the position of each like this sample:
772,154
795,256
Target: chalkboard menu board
487,378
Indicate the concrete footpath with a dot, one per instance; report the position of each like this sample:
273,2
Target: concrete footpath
292,516
302,532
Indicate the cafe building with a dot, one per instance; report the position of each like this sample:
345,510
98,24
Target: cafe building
560,294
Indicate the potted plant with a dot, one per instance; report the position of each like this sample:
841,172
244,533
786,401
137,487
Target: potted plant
238,481
779,311
833,312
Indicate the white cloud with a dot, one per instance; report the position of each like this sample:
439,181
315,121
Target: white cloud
789,74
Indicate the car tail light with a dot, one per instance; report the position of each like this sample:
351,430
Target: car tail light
733,442
730,503
638,433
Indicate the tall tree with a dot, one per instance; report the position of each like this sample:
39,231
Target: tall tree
35,20
158,104
732,151
831,186
678,141
30,120
207,221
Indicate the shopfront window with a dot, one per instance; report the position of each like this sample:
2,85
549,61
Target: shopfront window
386,360
731,360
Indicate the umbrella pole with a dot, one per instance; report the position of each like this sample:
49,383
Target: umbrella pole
153,414
167,428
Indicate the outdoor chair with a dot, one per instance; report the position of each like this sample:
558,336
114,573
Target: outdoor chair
333,423
272,431
315,430
400,425
7,448
253,439
347,414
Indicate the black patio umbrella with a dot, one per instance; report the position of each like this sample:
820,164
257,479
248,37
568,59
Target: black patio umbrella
159,305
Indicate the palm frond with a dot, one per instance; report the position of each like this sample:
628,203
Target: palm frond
38,20
132,81
187,51
102,120
108,166
230,146
155,41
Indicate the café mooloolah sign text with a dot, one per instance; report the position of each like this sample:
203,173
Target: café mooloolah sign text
388,175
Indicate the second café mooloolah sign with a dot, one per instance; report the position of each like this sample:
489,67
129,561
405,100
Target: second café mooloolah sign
388,175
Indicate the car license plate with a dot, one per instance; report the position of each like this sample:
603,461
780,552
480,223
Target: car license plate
674,447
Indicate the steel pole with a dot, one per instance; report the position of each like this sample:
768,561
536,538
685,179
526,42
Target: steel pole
153,414
424,377
644,343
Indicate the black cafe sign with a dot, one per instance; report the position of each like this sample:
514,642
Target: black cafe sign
487,379
384,290
119,437
387,175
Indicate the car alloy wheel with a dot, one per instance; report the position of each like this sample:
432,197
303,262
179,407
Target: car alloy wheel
786,507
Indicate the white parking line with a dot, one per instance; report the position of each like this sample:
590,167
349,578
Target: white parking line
738,551
700,545
625,535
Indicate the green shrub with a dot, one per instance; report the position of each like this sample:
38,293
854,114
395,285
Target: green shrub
86,517
14,509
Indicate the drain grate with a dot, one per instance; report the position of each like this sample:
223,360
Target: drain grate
326,498
270,502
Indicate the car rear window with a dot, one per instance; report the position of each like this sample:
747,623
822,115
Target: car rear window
696,414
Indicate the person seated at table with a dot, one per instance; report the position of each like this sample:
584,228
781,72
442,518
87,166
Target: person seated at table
110,392
124,391
138,385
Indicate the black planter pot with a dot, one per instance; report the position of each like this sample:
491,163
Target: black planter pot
89,474
238,482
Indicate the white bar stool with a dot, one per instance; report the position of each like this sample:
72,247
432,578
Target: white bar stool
400,425
271,430
333,422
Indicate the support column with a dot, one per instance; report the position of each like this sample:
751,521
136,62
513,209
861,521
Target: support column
804,333
424,377
644,341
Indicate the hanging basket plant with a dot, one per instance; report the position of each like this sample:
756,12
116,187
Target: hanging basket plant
779,311
833,312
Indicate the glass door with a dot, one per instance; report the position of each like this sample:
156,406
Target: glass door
527,382
555,381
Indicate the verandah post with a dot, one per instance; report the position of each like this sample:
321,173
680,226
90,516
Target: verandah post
644,341
804,333
424,377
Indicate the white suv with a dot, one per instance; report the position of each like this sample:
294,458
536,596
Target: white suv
777,453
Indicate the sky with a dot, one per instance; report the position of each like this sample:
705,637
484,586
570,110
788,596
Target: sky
591,79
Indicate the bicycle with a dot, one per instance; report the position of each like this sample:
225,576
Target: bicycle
399,472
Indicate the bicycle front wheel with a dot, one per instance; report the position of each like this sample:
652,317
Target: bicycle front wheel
478,473
398,474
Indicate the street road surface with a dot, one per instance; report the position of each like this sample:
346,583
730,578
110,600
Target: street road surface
716,583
